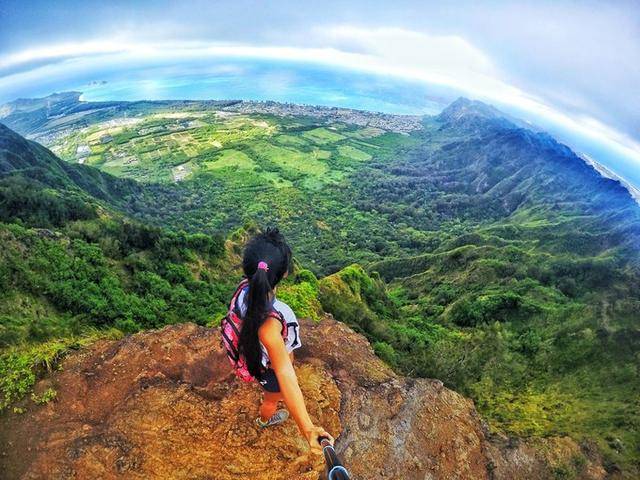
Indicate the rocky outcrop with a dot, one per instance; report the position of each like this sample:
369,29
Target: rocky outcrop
164,404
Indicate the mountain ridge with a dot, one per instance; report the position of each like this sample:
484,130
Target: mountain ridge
463,113
464,107
111,418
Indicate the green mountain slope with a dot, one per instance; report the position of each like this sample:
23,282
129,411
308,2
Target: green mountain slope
38,187
530,302
493,257
70,263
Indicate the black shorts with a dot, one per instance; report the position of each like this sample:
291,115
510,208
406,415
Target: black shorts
269,381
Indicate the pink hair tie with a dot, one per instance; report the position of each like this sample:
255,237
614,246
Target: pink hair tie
263,266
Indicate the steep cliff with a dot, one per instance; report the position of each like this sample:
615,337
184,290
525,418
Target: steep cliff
164,404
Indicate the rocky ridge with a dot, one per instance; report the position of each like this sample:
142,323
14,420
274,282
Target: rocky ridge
164,404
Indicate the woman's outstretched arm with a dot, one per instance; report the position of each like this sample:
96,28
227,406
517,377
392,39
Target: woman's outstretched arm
271,337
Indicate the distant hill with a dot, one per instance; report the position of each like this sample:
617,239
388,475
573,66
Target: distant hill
37,165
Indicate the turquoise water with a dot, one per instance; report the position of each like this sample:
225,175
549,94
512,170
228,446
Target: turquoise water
245,80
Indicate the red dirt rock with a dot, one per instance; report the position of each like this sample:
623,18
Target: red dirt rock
164,404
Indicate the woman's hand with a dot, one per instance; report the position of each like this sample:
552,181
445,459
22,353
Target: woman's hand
312,435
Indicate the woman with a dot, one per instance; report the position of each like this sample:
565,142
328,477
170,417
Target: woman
269,334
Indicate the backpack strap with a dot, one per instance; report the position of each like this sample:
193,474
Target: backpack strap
243,284
233,307
278,316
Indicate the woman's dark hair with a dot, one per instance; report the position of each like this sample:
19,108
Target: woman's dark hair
269,247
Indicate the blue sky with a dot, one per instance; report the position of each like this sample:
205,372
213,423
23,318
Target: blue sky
572,65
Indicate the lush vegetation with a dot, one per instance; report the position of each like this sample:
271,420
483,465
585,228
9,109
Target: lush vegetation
536,362
72,267
488,256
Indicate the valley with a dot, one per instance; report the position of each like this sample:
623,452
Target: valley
463,246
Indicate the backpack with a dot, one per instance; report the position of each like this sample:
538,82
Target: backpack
230,328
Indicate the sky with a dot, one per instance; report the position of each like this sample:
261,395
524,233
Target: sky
570,66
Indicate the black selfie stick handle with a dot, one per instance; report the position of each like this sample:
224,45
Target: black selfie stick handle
335,469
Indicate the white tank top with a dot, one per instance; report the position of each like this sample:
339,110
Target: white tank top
293,327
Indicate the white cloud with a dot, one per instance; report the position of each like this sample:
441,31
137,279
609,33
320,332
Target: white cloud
64,50
445,54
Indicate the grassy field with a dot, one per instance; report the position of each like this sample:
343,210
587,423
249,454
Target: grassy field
175,146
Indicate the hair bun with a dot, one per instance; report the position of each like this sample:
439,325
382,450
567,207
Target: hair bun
272,233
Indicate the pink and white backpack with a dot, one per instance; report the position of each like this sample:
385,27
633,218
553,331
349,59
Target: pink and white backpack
230,328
